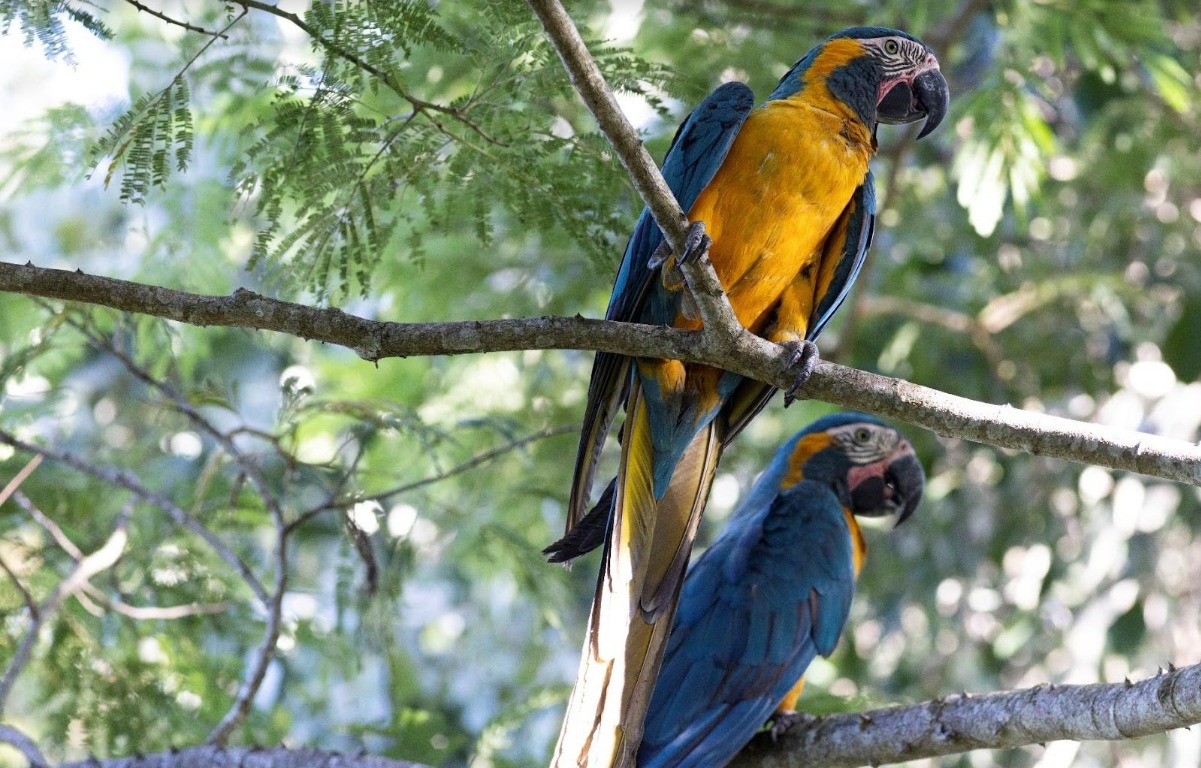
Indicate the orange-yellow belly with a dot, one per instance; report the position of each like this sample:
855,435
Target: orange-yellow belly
788,177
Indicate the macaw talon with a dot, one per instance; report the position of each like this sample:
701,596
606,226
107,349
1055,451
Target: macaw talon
803,363
661,254
783,721
696,243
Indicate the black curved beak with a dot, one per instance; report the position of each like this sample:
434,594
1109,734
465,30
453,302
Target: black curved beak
928,97
897,492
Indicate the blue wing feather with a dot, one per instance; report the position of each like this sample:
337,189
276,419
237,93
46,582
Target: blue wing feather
698,149
861,226
772,592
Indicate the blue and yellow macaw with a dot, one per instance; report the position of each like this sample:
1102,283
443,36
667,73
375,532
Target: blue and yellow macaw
787,199
775,588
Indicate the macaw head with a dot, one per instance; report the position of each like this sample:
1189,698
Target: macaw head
870,465
884,75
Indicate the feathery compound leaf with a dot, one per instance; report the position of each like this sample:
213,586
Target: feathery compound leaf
153,134
41,22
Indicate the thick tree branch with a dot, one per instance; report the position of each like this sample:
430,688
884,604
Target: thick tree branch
951,725
955,724
748,355
23,744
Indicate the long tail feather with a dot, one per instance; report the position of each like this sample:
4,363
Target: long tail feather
645,556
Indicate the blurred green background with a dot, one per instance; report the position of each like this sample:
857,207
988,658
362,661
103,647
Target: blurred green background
1041,248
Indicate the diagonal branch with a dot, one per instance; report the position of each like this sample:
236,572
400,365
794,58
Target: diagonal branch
590,83
1003,720
23,744
102,559
945,414
126,480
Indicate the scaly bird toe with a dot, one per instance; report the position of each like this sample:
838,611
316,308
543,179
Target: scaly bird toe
804,362
782,721
696,242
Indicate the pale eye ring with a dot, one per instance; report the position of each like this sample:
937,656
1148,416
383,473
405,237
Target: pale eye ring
862,435
891,47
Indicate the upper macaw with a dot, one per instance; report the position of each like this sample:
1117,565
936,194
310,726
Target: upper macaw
786,196
775,588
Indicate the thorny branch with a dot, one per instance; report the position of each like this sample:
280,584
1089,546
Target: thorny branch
344,53
176,22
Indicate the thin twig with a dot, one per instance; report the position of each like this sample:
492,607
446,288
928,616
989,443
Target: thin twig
952,320
248,467
88,590
124,479
30,603
102,559
480,458
11,487
342,52
151,612
176,22
590,83
257,671
56,533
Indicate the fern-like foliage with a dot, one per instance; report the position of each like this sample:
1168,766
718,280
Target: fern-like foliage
41,23
155,134
414,123
358,163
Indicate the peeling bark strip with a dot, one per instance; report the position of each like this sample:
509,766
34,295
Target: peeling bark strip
745,354
955,724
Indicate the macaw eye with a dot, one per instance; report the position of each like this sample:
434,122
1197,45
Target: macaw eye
862,435
891,47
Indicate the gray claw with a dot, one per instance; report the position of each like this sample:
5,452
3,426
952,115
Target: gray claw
781,722
804,362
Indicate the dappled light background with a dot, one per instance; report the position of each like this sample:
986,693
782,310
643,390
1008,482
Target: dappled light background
1042,249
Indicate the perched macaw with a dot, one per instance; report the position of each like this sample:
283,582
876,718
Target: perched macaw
786,196
775,588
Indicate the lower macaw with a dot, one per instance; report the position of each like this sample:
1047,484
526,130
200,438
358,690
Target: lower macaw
784,193
775,588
